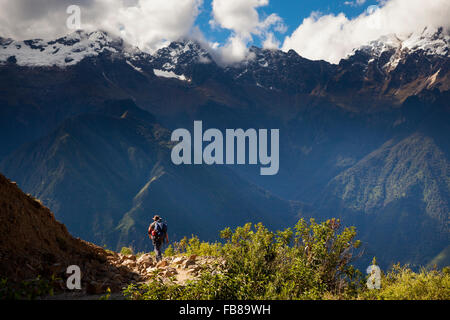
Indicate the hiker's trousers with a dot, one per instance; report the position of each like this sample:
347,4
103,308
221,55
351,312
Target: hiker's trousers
158,246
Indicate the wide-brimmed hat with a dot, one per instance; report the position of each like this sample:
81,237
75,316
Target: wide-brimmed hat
156,218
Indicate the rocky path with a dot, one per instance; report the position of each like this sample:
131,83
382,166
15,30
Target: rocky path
120,270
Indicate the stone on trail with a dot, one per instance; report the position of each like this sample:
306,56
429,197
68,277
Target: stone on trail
162,264
170,272
192,257
189,263
146,260
150,269
129,263
178,260
130,257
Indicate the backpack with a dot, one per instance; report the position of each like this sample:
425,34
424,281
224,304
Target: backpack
159,229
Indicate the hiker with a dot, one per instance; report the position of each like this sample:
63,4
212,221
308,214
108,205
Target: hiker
157,231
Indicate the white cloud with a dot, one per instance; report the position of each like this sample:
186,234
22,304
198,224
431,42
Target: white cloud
356,3
332,37
148,24
152,23
243,19
271,42
235,50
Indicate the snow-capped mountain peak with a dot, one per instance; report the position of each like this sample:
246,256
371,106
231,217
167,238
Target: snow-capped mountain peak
65,51
181,54
393,48
430,41
385,43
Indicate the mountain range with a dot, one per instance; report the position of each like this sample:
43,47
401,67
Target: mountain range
86,122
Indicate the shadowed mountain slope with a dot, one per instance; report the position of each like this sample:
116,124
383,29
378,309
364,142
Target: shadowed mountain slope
107,173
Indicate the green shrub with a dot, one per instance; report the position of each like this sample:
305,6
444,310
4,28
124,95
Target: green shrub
126,250
260,264
310,261
193,246
401,283
169,252
209,286
26,290
293,265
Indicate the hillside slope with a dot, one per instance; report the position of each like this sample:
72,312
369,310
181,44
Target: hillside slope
397,197
32,242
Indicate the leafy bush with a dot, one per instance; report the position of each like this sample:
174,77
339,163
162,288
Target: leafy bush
303,263
401,283
310,261
260,264
126,250
26,290
210,286
193,246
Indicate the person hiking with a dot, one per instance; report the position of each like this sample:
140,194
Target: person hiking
157,231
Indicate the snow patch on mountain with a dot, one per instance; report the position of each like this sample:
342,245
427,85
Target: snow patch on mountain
134,67
180,53
61,52
430,42
169,74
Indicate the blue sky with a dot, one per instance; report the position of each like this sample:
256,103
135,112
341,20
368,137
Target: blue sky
291,11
